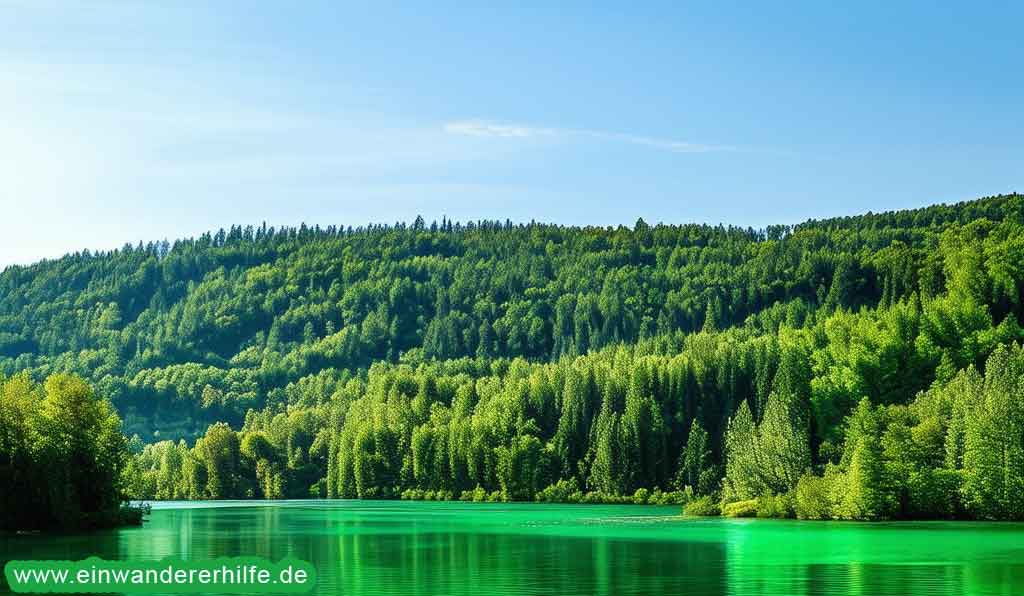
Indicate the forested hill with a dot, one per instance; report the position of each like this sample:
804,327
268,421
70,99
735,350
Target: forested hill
861,367
180,335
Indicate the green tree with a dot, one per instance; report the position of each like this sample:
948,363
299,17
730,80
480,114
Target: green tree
219,452
869,492
993,458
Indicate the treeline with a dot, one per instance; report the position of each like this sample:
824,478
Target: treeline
272,457
860,368
63,459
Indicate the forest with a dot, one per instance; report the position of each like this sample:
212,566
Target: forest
864,367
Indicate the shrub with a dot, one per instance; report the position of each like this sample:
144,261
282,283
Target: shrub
558,492
702,506
134,515
641,496
777,506
600,498
477,495
412,494
812,499
676,497
747,508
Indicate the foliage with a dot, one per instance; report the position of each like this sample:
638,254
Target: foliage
778,506
702,506
746,508
852,368
62,457
562,491
811,498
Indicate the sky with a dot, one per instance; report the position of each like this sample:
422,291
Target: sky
127,121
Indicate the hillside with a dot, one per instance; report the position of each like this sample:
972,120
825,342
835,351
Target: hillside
207,328
444,357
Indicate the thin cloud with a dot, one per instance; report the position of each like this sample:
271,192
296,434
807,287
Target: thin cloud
480,128
484,128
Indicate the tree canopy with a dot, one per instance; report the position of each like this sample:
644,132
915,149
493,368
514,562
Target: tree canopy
63,459
857,367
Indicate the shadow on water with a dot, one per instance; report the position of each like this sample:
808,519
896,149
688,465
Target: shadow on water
492,549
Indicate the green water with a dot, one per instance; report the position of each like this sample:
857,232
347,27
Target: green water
494,549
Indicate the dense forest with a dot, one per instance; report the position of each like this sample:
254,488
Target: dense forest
856,368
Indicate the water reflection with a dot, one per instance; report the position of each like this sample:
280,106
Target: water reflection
439,548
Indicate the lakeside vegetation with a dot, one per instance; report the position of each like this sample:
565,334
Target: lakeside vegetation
62,457
854,368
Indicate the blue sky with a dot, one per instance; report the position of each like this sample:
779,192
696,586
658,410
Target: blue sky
124,121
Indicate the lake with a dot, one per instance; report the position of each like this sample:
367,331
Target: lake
426,548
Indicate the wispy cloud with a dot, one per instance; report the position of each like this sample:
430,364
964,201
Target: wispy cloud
485,128
481,128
